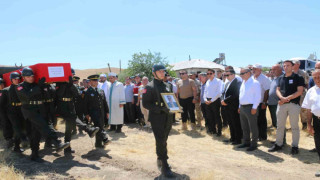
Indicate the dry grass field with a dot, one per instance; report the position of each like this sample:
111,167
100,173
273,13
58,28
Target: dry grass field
193,155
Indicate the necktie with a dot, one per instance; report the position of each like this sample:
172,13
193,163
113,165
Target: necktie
225,89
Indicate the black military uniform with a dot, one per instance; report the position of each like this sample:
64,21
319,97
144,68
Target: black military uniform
49,93
95,105
33,110
160,117
78,102
15,115
5,122
65,94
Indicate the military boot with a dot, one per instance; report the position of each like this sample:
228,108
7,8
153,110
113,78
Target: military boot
92,131
68,150
61,146
166,170
35,157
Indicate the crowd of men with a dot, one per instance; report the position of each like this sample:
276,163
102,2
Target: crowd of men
29,110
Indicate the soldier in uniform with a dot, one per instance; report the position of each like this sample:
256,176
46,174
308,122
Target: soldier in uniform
159,116
15,115
49,96
32,108
5,122
65,94
95,109
78,102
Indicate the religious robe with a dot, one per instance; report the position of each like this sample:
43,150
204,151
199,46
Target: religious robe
115,97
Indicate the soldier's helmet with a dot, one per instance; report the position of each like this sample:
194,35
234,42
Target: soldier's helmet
158,67
27,72
72,71
14,75
1,81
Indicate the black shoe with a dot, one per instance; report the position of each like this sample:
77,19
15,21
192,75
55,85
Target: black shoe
48,145
236,142
228,141
166,170
35,157
243,146
313,150
18,150
69,150
93,131
106,141
274,148
294,150
118,131
61,146
251,148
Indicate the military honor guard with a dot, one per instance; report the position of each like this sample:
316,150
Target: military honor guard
95,109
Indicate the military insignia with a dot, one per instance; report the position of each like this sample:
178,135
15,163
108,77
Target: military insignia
57,87
0,94
92,95
19,88
45,89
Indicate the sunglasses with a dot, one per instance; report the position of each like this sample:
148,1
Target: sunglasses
243,73
226,75
182,73
209,73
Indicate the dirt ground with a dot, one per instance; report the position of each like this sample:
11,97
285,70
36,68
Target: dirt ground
193,155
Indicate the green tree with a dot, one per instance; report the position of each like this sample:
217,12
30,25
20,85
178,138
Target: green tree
142,63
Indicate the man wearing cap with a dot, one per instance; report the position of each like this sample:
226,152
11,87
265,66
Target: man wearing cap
15,115
65,94
95,109
5,122
78,102
103,78
116,100
311,103
32,109
265,86
289,89
159,116
303,112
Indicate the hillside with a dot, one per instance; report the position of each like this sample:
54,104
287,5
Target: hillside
83,74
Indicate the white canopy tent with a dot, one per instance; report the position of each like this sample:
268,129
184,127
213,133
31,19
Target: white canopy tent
195,65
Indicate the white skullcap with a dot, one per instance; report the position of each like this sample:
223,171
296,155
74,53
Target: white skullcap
103,75
112,74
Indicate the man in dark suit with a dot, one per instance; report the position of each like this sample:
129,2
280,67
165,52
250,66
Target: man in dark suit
230,100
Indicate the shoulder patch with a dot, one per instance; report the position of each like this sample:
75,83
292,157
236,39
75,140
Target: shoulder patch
19,88
0,94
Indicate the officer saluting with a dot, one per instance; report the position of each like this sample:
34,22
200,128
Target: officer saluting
33,111
159,116
96,108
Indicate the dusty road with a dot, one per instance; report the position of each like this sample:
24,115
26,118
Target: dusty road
193,154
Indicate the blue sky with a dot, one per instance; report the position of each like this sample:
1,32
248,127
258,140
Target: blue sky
90,34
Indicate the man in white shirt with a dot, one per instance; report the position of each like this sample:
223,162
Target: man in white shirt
249,99
311,103
103,84
211,95
265,86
